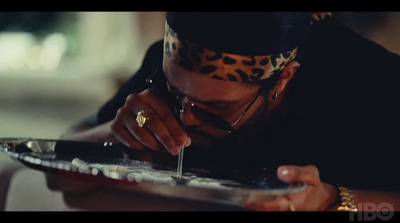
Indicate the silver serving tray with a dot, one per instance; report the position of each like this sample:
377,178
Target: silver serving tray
121,169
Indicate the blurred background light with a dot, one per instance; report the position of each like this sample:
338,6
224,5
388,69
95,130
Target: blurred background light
58,67
21,50
14,48
54,48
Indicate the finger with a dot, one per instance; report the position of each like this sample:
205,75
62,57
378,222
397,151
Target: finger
141,134
279,204
123,135
171,122
162,123
126,127
159,129
291,174
177,132
65,185
153,134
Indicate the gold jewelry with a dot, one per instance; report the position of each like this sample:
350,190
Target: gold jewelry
275,95
143,116
292,207
347,200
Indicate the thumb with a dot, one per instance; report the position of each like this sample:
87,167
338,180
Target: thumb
293,174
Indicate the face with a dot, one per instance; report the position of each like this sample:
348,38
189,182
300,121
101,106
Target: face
225,99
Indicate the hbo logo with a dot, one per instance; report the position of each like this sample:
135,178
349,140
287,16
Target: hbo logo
383,211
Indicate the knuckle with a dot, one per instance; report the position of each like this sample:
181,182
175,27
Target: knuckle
312,174
313,170
132,100
147,92
166,141
114,126
121,112
145,95
177,131
131,97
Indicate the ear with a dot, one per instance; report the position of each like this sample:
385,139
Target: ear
287,74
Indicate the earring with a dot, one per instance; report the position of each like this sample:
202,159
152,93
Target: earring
275,95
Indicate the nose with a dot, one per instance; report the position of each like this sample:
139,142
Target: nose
186,114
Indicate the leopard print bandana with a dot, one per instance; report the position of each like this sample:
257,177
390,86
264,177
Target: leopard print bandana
220,65
226,66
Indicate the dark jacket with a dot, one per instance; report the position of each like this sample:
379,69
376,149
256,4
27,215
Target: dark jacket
344,115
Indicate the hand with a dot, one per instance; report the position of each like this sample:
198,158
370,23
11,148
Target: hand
318,196
161,131
69,186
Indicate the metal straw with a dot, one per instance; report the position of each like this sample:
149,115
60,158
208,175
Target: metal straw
180,162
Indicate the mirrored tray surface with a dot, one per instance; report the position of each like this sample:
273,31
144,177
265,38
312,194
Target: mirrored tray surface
125,169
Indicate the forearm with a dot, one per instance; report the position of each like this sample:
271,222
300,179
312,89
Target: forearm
369,200
98,133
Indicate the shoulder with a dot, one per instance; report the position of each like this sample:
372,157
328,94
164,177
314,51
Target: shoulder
333,43
136,83
335,55
154,52
347,84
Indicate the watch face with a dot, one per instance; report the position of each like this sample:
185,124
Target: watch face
120,167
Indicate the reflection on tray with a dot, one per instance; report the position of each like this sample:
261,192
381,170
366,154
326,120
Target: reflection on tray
116,162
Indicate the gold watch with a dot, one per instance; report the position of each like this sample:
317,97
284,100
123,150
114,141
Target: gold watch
346,199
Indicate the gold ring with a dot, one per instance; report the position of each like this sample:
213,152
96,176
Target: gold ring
143,116
292,207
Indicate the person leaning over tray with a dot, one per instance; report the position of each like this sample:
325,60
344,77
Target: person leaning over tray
295,91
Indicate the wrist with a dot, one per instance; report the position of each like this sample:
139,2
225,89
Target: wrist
332,201
345,199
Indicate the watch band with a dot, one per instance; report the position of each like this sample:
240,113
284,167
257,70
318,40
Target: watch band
346,199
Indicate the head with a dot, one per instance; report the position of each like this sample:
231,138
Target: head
229,66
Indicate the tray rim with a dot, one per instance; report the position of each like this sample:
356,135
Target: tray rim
224,195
